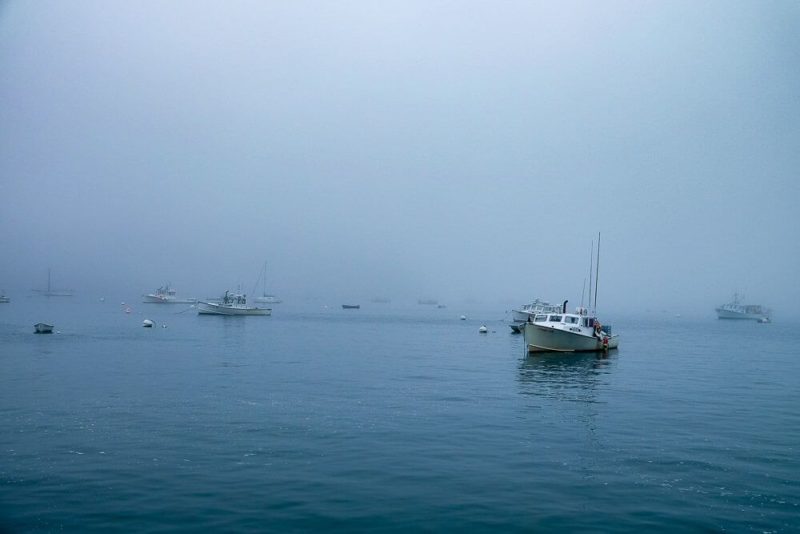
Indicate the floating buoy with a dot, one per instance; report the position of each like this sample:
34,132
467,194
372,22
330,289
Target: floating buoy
163,326
147,323
127,310
483,329
463,317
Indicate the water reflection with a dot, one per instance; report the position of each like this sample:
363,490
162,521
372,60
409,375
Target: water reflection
564,377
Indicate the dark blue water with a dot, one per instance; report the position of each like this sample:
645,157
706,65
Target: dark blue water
390,419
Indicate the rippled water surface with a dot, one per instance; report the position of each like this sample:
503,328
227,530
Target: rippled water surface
390,419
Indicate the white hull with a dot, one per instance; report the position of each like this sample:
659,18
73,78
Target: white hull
548,339
158,299
4,300
212,308
727,314
268,299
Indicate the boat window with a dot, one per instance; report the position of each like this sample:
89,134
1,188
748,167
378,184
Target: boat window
555,318
572,320
540,318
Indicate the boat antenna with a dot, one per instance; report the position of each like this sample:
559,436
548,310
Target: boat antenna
597,272
591,261
583,291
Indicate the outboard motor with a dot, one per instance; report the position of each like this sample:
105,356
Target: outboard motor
564,307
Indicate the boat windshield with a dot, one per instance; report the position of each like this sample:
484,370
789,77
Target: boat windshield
555,318
540,319
571,319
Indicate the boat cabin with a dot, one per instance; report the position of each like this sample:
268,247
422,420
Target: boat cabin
575,322
565,318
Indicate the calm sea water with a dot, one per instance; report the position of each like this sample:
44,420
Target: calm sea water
390,419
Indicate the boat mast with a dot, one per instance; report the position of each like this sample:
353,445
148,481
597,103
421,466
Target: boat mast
591,261
48,279
583,291
264,282
597,272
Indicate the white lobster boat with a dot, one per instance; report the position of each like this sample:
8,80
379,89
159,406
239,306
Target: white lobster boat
737,310
538,306
559,331
231,304
521,314
568,332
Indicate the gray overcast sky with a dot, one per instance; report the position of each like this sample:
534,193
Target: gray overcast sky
410,149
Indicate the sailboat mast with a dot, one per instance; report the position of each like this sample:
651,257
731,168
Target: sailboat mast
48,279
597,272
264,282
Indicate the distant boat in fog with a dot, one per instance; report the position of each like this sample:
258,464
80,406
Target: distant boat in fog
50,292
265,298
737,310
3,298
42,328
166,295
351,306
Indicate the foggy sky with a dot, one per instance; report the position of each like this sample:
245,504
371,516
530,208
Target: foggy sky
451,150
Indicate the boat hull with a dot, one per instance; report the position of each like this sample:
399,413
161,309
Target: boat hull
728,314
268,299
211,308
548,339
157,299
43,328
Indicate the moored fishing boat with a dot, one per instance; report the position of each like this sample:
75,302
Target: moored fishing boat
568,332
737,310
166,295
521,314
559,331
42,328
231,304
